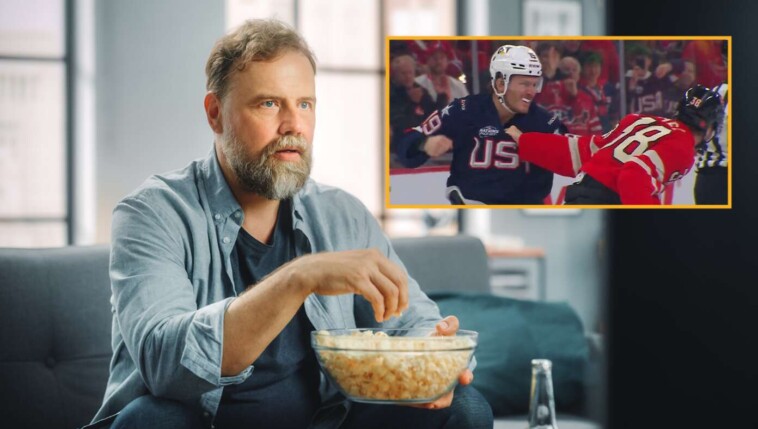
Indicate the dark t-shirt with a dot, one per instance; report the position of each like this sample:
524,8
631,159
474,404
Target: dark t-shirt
282,391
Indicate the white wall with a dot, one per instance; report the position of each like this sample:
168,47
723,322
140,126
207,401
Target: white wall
150,83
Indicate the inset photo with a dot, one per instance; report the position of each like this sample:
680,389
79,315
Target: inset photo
538,122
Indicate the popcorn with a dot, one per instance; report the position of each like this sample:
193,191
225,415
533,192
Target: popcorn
374,367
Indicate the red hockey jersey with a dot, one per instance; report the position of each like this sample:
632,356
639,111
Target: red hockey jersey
637,159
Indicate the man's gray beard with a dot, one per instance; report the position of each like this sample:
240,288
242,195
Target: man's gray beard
264,174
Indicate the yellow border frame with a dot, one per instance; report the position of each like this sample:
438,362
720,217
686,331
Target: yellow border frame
388,205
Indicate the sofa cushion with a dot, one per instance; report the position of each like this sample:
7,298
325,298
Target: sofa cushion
55,328
445,263
512,333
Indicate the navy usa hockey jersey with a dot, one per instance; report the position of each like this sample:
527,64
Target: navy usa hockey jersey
486,165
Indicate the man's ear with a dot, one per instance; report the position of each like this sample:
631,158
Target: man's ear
500,84
213,109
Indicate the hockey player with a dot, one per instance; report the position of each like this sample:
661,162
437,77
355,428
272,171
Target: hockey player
486,168
634,162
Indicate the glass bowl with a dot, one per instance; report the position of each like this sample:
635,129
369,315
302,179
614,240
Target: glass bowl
392,366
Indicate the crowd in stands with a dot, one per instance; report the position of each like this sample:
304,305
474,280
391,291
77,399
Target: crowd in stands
582,83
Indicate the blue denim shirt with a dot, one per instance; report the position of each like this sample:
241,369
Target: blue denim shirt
171,281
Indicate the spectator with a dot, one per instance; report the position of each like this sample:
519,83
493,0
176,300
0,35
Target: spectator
553,96
441,86
589,83
607,50
220,270
643,91
410,103
675,77
582,118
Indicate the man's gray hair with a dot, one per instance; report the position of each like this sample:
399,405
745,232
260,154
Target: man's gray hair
254,40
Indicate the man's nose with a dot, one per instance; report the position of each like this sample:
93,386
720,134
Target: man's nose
292,122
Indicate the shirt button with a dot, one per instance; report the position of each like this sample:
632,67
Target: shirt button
226,240
217,216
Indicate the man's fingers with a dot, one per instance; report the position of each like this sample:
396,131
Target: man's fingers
374,297
447,326
390,293
442,402
466,377
397,276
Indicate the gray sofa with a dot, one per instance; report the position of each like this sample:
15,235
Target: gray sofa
55,320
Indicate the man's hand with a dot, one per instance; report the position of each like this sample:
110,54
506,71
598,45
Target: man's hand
365,272
571,86
437,145
448,327
662,70
514,132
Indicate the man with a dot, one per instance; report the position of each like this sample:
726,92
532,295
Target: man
712,180
441,86
486,168
634,162
589,83
583,118
554,96
674,78
643,89
222,269
410,103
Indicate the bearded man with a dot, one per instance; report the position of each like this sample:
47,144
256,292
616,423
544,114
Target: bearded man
221,270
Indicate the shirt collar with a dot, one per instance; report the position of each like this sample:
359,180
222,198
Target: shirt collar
220,197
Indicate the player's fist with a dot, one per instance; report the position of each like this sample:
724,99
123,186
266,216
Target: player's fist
437,145
514,132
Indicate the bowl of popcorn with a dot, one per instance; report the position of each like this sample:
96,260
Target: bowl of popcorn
391,366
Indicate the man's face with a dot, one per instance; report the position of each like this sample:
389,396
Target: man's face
591,71
570,67
268,118
437,62
549,58
404,74
687,77
521,92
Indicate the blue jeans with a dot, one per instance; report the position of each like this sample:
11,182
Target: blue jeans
151,412
469,410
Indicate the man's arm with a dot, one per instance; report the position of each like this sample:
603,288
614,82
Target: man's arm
183,351
431,138
256,317
175,345
561,154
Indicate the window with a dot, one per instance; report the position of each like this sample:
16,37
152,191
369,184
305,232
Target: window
34,173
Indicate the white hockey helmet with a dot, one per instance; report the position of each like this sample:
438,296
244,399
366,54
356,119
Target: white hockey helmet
511,60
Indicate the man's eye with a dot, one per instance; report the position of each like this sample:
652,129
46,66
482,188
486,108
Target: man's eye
268,103
305,105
